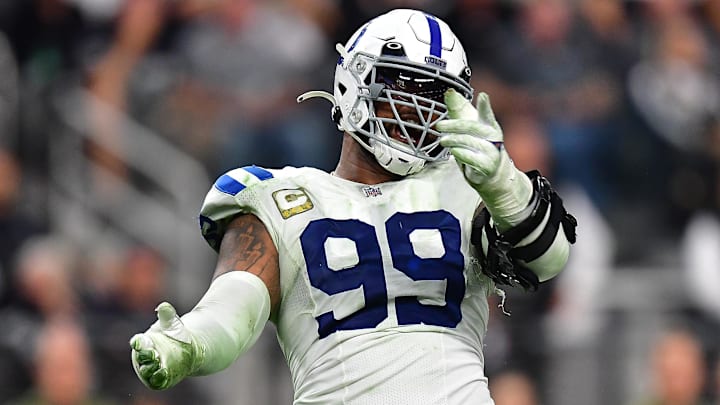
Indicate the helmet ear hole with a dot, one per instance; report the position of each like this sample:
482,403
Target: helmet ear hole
393,49
466,73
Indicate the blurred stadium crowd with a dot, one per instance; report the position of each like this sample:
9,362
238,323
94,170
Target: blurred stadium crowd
116,115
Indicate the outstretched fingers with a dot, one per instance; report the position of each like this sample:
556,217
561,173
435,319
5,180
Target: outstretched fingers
147,363
468,142
160,379
147,370
458,106
143,349
485,111
467,127
477,153
146,356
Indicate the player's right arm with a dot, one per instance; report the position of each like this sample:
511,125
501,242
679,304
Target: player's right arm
524,231
227,320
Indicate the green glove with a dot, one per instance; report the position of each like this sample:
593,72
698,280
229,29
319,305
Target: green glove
165,353
474,137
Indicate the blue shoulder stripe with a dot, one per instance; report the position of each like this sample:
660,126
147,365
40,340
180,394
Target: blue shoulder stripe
259,172
229,185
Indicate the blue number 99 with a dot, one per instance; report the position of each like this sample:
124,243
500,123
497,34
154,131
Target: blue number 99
368,271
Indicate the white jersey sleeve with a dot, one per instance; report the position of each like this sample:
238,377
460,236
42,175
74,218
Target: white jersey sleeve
223,201
382,300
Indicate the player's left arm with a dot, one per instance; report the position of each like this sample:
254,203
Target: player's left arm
524,233
226,321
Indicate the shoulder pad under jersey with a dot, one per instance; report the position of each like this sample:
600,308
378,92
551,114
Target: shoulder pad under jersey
221,204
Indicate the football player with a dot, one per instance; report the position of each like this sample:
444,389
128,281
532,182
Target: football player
376,275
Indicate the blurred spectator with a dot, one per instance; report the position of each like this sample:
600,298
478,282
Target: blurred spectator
675,88
675,91
562,61
716,383
578,315
63,369
567,317
701,258
102,269
480,26
264,124
513,388
48,41
43,262
519,340
143,280
44,287
228,98
605,28
527,141
15,229
677,370
324,13
15,226
710,10
137,27
45,35
43,284
9,95
659,12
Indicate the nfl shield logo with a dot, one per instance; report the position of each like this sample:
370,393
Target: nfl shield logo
371,191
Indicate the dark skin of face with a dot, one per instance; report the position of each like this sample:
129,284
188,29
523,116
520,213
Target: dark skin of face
359,165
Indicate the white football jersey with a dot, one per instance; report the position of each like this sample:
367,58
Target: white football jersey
382,299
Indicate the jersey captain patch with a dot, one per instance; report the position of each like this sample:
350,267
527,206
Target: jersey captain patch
292,202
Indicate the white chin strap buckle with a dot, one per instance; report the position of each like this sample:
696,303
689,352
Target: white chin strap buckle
395,160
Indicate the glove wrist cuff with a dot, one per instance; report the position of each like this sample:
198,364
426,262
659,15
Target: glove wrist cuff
506,194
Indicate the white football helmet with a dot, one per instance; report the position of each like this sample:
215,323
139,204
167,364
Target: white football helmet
406,59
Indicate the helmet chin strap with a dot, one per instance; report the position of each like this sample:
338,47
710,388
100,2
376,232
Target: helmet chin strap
394,160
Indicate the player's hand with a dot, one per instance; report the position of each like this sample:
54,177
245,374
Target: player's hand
165,353
473,136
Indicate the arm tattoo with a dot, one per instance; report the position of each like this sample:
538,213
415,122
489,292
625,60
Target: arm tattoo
247,246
